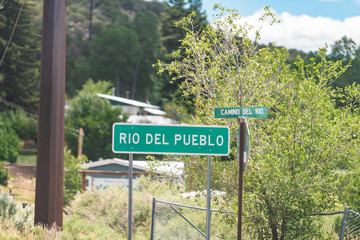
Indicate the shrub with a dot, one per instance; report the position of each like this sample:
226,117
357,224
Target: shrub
19,217
24,126
110,207
9,142
72,176
3,174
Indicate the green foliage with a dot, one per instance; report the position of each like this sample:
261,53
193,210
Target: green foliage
3,174
108,208
349,188
20,68
123,42
24,126
295,152
101,86
76,227
96,116
21,218
9,141
72,176
347,51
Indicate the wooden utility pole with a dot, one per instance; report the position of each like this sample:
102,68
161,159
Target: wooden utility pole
81,134
50,152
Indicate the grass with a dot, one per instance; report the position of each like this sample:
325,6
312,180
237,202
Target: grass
27,156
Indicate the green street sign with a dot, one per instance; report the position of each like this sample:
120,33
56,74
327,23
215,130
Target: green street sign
235,112
170,139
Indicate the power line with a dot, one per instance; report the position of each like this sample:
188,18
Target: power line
15,106
18,107
12,32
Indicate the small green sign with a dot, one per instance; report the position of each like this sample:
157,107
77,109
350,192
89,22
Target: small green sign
235,112
170,139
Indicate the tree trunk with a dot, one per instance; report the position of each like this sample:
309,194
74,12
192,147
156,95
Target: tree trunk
133,90
90,19
283,225
272,219
117,85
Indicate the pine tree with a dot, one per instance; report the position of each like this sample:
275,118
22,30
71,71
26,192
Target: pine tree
20,66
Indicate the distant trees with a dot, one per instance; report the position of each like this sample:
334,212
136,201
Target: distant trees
141,32
125,44
19,71
113,56
347,51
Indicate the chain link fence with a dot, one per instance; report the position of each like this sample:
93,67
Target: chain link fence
351,225
329,224
179,221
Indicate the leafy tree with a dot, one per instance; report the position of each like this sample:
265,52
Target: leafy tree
24,126
172,36
343,49
72,176
20,67
96,116
9,141
347,51
90,87
295,152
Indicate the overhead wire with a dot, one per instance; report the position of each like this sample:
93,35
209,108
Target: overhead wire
15,106
12,32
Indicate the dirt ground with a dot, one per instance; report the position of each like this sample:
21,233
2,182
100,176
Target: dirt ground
22,182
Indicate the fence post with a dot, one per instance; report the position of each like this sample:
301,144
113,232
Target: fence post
343,225
153,219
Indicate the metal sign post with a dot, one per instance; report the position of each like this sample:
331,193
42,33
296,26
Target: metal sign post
242,127
131,158
208,198
243,145
171,139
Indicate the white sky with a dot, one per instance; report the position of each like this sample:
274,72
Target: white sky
306,33
305,24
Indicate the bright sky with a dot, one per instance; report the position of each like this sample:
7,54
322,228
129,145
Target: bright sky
305,24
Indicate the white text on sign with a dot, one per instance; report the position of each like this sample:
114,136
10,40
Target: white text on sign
162,139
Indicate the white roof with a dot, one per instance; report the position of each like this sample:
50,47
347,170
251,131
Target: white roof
155,111
164,167
125,101
150,119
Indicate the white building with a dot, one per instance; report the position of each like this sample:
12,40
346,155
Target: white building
103,173
139,112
